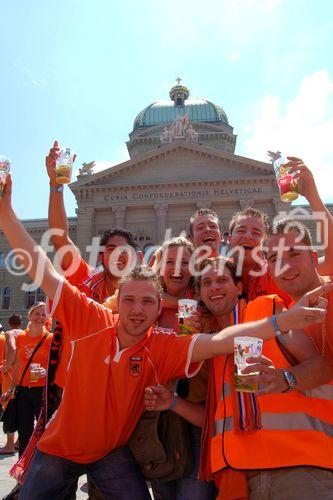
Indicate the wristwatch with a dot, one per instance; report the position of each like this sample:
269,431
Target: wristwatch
56,189
290,380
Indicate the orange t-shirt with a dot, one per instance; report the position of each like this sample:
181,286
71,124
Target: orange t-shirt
25,344
103,397
2,353
265,285
76,279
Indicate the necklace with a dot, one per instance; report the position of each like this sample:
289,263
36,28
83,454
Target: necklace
323,340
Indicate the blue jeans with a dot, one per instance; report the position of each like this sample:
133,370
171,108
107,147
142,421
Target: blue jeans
188,487
116,476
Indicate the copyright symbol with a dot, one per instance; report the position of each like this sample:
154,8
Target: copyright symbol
13,262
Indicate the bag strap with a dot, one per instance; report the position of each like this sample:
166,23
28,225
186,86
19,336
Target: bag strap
31,357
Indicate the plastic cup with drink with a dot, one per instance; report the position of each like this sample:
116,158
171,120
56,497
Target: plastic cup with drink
244,348
286,182
34,368
186,307
64,165
4,170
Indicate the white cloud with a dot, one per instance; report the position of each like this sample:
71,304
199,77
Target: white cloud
303,127
234,57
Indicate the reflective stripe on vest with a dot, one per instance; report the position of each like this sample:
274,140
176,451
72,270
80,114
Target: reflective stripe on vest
281,422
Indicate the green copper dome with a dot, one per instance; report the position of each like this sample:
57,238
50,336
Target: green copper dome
164,111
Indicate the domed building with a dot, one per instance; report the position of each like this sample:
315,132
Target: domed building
208,119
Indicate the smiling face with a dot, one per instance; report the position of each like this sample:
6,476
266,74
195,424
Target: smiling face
37,317
139,306
116,255
248,233
175,270
218,291
205,231
294,268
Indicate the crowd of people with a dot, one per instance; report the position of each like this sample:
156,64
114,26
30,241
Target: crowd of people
115,362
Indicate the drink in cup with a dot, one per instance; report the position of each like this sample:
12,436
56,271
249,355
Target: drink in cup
286,182
4,170
34,367
186,307
64,165
244,348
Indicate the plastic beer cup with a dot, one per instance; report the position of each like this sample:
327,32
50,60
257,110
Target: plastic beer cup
34,367
64,165
244,348
4,170
186,307
286,182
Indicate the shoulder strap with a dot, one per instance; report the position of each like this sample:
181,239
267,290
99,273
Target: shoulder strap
31,357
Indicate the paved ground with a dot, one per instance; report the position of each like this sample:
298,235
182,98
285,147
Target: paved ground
7,483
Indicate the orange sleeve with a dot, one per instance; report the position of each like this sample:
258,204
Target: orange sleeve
174,357
81,273
77,313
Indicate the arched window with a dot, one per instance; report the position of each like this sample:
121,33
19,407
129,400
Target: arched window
6,298
34,296
2,260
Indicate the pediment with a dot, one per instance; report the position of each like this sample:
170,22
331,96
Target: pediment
177,162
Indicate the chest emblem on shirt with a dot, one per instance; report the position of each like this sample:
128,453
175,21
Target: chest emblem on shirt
135,366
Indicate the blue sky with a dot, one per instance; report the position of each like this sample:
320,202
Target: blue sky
80,71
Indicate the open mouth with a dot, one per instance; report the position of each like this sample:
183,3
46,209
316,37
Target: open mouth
176,278
208,239
247,247
136,321
217,297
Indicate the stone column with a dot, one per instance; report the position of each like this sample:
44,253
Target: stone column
84,231
246,203
119,215
161,210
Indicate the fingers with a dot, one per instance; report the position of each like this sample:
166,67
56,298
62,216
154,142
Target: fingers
257,367
259,359
313,296
140,257
152,260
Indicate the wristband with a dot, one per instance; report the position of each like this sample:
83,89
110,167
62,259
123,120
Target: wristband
174,401
278,332
56,189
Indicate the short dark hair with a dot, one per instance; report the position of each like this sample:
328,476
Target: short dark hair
219,263
198,213
118,231
249,212
142,273
284,226
15,320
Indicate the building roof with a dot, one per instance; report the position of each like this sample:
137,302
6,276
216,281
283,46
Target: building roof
166,111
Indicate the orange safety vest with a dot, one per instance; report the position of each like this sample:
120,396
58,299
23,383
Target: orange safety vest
297,427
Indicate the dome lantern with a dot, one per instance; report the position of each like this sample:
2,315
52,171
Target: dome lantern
179,93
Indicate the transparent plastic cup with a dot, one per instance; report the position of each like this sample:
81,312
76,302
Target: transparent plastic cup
4,170
186,307
244,348
64,166
286,182
34,367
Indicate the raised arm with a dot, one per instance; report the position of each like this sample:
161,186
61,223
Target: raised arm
307,188
57,212
33,258
304,313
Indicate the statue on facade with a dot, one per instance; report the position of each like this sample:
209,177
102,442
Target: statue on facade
165,136
87,168
191,135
